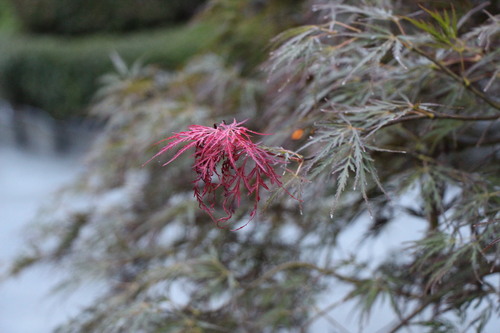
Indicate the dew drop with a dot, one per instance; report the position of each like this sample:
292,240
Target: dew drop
331,216
301,212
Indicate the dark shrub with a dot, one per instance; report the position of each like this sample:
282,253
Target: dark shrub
60,75
84,16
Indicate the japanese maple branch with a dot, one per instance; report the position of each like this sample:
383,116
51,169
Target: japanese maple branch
438,297
457,78
439,115
436,115
310,266
406,320
301,264
286,266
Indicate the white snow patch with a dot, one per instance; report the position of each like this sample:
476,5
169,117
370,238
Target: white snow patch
27,304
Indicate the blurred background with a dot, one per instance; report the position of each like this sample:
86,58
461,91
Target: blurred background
52,54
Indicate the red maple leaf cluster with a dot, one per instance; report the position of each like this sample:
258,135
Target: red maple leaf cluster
227,163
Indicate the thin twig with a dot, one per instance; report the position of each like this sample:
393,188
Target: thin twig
464,81
435,115
301,264
440,115
406,320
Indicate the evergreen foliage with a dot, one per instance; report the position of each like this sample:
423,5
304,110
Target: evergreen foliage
395,111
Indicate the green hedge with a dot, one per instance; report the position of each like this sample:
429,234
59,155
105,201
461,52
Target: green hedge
60,75
84,16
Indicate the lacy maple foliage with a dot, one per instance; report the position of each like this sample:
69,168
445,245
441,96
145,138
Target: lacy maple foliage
226,162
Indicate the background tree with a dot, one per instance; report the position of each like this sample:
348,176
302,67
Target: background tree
394,111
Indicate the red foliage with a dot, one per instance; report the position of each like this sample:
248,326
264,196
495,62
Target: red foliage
226,162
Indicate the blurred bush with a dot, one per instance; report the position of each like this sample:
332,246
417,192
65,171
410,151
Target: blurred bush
60,75
84,16
8,21
247,26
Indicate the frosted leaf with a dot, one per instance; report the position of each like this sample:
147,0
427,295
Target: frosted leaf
396,52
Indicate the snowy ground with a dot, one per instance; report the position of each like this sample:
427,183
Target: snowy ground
26,180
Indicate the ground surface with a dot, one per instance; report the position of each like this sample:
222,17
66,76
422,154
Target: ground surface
26,181
27,304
